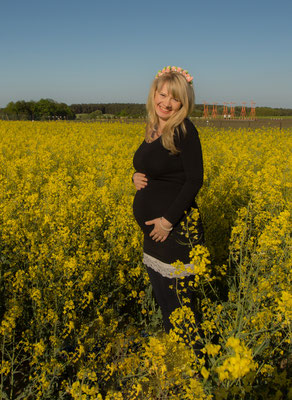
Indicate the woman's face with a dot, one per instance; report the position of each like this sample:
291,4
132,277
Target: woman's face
165,104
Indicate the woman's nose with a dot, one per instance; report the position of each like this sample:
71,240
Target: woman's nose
167,102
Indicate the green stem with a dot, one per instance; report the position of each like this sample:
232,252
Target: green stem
12,366
3,347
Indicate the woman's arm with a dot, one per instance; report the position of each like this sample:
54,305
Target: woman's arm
191,156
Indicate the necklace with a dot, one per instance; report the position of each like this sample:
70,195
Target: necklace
155,134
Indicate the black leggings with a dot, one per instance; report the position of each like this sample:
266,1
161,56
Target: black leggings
167,297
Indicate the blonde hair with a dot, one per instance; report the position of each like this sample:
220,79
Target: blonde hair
180,89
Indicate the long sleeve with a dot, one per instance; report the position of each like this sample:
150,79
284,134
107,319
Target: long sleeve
191,156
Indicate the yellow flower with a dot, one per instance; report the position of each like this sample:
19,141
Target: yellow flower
205,373
212,349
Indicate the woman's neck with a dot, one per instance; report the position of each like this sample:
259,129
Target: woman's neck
161,125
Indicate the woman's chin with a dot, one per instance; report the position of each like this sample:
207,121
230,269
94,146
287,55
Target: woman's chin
163,116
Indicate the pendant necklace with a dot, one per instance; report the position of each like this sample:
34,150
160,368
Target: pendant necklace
155,133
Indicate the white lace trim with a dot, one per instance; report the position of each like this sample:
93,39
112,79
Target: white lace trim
164,269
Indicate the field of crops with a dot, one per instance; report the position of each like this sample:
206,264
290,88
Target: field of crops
78,320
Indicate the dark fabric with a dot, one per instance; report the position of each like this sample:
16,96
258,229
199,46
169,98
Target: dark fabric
173,182
168,300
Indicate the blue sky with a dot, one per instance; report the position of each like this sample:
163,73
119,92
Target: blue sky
109,51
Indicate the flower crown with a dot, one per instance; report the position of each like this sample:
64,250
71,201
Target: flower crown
168,69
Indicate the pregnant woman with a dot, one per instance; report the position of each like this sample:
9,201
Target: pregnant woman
169,174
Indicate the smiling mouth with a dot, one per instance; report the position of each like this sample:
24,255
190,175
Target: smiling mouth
164,110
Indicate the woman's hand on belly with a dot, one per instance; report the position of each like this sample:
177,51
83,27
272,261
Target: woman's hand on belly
139,180
158,233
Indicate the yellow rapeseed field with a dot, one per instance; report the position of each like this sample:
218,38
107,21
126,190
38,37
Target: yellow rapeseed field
78,320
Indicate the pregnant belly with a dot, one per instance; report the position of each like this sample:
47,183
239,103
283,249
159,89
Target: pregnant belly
152,201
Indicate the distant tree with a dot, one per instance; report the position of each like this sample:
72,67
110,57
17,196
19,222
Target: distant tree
32,109
10,110
127,109
197,112
64,111
46,108
76,108
43,109
95,114
123,113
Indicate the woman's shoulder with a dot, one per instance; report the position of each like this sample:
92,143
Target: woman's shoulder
184,135
189,125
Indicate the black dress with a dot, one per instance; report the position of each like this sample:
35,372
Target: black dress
173,183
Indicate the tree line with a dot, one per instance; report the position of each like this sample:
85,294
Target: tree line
273,112
134,110
44,109
48,109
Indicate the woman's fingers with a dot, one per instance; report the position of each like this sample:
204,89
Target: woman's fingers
140,180
140,186
150,222
158,237
157,234
139,176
